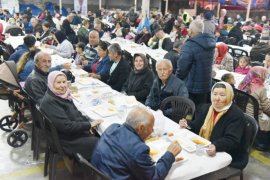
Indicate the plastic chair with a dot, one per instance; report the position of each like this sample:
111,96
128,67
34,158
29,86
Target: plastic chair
89,171
37,127
152,63
251,130
214,81
231,51
240,52
128,57
241,99
54,150
181,107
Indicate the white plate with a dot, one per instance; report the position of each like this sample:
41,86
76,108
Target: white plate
105,110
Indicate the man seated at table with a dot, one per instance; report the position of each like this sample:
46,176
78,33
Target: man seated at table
90,50
119,70
28,44
122,154
36,82
165,85
161,40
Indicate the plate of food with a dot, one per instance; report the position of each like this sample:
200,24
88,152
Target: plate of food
105,110
199,140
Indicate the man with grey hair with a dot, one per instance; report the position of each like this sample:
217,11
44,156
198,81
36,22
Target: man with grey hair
194,66
164,86
37,26
119,70
122,154
36,83
90,50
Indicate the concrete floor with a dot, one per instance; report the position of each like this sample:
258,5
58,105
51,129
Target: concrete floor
18,164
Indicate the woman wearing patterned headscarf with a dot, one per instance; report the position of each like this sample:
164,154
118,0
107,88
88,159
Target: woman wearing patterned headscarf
223,58
222,123
253,84
72,127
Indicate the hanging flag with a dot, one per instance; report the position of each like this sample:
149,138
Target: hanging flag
221,1
253,4
144,23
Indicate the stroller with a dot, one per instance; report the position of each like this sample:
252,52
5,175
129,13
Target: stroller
11,90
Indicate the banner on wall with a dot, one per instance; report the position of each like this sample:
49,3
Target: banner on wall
80,5
11,5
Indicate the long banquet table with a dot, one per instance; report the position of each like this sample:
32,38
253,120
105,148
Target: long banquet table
97,100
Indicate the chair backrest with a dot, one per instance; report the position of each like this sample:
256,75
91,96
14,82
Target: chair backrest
181,107
89,171
52,136
214,81
152,63
240,52
251,130
231,51
128,57
241,99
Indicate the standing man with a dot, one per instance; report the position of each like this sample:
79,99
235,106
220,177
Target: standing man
70,33
195,63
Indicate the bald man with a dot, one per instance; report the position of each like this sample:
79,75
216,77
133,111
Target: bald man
122,154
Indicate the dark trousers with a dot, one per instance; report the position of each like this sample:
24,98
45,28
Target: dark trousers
199,99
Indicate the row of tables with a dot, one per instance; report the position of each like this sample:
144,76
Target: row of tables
97,100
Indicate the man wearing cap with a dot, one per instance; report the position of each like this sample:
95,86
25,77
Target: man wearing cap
28,44
161,40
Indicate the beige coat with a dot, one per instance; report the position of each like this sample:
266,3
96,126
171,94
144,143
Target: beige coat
264,108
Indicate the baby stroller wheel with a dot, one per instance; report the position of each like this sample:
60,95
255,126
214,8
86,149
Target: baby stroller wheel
8,124
17,138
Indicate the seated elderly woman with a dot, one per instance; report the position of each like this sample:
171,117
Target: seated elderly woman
223,58
222,123
253,84
64,47
165,85
73,128
140,80
101,64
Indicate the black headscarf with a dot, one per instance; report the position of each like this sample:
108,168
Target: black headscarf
145,62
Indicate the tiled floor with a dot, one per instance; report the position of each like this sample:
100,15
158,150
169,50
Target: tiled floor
18,164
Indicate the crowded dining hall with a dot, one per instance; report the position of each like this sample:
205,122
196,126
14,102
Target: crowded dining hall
134,90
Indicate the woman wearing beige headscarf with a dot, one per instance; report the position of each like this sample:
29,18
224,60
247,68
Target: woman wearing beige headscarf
222,123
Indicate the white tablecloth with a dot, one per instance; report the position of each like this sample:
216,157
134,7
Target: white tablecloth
134,48
94,99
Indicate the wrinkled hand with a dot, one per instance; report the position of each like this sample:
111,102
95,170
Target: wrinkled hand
174,148
67,65
183,123
95,123
211,150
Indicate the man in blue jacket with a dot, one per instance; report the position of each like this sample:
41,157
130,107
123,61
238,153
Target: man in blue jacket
122,154
28,44
195,63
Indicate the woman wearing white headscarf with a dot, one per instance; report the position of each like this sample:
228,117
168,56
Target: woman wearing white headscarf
222,123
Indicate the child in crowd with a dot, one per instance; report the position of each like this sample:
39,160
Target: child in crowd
267,63
79,54
243,65
229,78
